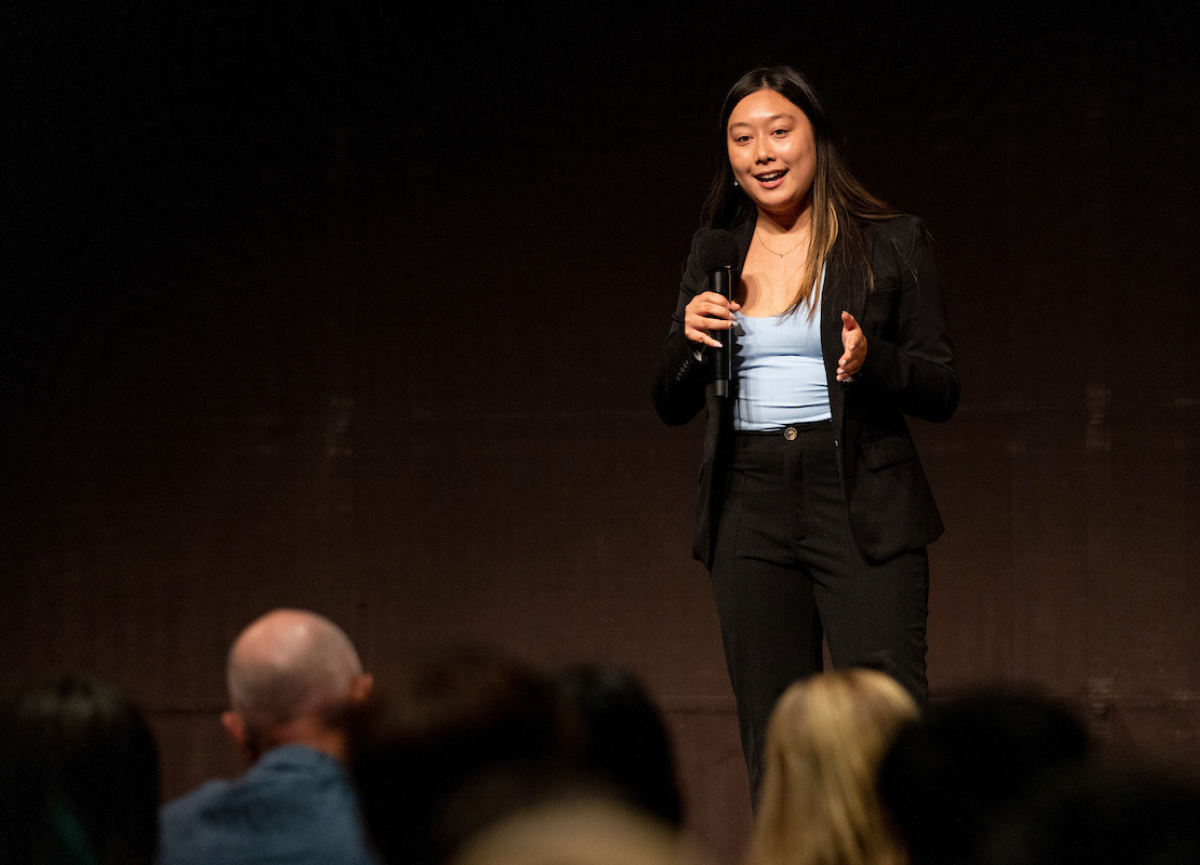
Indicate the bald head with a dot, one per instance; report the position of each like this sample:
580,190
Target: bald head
290,666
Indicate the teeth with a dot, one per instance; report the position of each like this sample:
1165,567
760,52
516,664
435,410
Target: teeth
774,175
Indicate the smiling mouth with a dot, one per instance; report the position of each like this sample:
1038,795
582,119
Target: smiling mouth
771,176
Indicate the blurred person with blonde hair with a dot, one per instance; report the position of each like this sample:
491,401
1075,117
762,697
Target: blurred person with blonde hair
826,738
578,829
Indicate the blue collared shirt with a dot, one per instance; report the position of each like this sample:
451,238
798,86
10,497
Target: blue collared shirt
295,805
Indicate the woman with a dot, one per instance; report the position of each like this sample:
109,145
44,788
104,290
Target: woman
814,512
827,737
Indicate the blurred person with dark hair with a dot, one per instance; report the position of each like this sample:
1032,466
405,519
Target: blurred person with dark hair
79,783
460,740
1103,815
818,802
616,729
292,675
970,763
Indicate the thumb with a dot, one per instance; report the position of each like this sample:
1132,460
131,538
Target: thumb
848,322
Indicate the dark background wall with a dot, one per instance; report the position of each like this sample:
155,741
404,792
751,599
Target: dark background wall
355,310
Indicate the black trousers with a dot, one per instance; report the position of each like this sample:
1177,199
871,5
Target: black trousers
786,571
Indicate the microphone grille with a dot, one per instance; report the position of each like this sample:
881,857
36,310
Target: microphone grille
716,249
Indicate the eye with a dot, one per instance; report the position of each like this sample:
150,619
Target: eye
741,139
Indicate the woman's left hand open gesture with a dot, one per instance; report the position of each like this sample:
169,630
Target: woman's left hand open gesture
854,344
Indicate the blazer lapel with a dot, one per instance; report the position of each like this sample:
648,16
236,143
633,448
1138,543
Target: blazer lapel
831,346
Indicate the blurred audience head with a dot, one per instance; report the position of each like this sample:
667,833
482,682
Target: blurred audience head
826,737
616,730
969,763
455,741
581,830
291,675
80,781
1102,815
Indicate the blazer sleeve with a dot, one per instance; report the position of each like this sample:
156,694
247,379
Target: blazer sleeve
910,360
683,370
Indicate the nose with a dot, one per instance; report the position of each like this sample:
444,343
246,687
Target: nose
764,151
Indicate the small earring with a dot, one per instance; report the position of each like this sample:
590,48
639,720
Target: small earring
736,184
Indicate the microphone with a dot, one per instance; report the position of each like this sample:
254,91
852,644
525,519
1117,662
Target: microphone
717,253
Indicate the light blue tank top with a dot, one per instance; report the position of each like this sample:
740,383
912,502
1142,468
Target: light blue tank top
779,371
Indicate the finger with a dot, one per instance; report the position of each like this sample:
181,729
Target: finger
718,311
713,298
715,310
703,338
848,322
699,330
704,322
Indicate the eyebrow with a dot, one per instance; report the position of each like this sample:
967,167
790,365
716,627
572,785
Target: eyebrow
770,119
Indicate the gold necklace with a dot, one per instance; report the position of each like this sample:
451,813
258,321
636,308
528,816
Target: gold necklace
763,244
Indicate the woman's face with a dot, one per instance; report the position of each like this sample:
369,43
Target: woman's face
772,152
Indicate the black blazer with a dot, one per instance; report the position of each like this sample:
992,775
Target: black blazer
909,370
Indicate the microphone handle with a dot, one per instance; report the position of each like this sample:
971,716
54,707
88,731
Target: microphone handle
718,281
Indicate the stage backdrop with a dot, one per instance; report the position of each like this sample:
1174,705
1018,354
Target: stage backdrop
356,312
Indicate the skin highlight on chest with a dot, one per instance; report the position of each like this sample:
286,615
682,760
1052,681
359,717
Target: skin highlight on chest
769,281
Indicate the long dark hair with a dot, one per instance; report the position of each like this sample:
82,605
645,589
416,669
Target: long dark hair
86,760
840,203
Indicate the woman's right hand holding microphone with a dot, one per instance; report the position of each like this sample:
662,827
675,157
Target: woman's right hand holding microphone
706,312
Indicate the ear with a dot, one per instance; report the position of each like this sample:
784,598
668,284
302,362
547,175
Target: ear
235,726
360,688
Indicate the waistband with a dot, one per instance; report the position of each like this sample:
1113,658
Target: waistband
791,432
